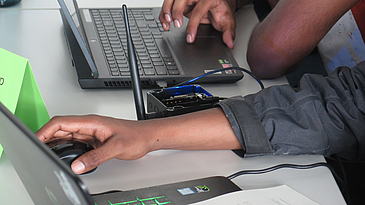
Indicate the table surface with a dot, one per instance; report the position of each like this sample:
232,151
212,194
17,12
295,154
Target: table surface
34,30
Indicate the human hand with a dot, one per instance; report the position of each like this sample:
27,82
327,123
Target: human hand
128,140
219,13
111,138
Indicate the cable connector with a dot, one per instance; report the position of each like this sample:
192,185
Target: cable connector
161,84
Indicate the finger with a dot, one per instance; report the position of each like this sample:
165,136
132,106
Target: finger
52,128
201,9
177,12
222,19
63,127
229,31
165,14
90,160
228,38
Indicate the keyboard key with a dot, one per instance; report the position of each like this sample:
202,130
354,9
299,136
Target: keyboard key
115,73
124,69
119,53
161,70
156,59
123,61
149,17
152,24
143,58
174,72
162,199
158,63
144,30
141,24
171,67
153,51
123,66
170,63
149,71
114,69
145,62
149,202
155,55
125,73
165,52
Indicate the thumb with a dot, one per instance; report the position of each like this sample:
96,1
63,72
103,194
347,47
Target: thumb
88,161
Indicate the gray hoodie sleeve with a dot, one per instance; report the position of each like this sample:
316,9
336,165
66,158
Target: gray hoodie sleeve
324,115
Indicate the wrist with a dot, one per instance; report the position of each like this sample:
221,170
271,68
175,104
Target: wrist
156,134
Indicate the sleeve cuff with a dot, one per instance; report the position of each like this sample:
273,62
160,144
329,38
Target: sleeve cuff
247,126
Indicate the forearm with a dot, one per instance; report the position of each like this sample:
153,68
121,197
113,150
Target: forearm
203,130
326,115
289,33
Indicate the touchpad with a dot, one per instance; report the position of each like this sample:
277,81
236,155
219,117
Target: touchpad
205,52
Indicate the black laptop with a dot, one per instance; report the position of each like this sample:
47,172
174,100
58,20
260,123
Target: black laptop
96,40
49,181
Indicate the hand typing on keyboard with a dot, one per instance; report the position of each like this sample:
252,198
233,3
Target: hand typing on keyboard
219,13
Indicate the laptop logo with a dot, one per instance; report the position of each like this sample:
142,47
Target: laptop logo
202,188
52,196
67,188
198,189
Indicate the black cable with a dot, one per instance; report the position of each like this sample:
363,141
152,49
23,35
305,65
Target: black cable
220,70
292,166
279,166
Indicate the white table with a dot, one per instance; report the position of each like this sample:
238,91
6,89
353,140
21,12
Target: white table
33,29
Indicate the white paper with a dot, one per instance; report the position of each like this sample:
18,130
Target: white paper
280,195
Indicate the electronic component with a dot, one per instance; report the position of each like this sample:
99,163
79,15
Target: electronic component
179,100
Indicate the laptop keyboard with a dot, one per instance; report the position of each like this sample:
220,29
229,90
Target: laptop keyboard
154,57
149,200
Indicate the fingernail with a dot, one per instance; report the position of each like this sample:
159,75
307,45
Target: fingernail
165,27
78,167
168,18
177,23
230,45
189,38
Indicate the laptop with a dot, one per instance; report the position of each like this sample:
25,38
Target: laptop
48,180
96,40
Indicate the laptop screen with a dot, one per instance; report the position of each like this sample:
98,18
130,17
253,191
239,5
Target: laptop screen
72,8
45,177
72,17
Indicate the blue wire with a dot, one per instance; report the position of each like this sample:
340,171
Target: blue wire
220,70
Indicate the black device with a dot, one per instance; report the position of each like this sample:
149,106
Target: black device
97,43
70,150
179,100
6,3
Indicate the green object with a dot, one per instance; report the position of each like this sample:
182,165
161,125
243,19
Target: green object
1,150
19,91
